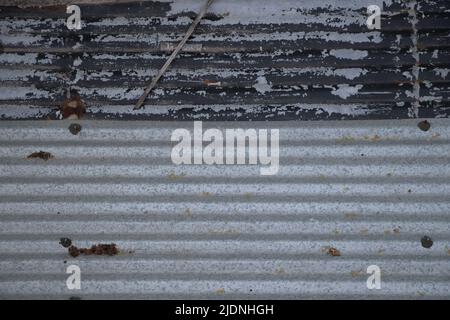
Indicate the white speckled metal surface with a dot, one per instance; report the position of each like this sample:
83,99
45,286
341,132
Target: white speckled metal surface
370,189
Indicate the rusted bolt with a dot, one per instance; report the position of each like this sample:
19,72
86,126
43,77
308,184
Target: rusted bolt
426,242
75,128
424,125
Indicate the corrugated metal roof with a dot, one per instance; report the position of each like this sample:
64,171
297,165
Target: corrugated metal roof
371,190
247,60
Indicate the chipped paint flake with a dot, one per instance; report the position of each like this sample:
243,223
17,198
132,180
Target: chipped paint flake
261,85
350,54
344,90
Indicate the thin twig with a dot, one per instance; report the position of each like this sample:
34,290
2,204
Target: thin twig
173,55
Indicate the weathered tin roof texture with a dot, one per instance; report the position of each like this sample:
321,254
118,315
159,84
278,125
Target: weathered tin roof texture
259,60
371,190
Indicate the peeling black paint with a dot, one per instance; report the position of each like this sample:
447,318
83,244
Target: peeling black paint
302,74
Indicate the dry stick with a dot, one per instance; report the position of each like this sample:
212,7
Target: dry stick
173,55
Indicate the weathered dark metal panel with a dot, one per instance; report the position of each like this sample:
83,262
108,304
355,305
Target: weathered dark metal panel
247,60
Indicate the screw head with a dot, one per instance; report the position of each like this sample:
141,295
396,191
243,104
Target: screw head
65,242
75,128
426,242
424,125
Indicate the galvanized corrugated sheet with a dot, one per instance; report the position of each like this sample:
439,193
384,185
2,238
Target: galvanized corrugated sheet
371,190
259,59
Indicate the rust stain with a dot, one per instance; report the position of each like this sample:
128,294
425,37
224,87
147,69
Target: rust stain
421,294
174,176
188,212
211,83
332,251
220,291
346,139
74,107
41,155
280,271
364,231
99,249
351,215
373,138
126,252
356,273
